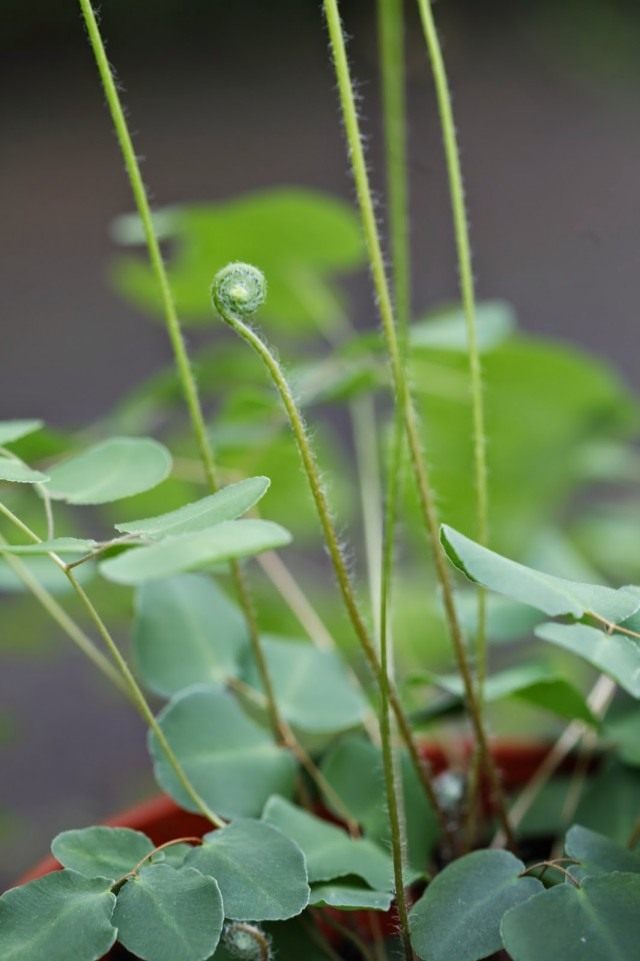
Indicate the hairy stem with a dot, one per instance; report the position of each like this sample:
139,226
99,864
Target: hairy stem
467,291
404,399
183,366
135,692
312,472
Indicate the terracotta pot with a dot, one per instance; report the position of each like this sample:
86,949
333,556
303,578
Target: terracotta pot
162,820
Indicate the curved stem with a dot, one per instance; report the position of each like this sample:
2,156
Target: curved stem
185,373
312,472
135,692
404,399
467,291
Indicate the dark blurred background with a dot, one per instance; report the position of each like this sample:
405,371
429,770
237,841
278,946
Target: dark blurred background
226,97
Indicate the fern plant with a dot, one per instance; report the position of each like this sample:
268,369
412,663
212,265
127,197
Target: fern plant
332,826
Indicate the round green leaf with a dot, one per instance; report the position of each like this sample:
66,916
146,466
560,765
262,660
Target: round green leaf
329,850
459,914
312,687
230,759
11,430
349,898
225,505
187,552
111,470
60,917
18,473
555,596
101,852
599,921
186,631
261,873
165,914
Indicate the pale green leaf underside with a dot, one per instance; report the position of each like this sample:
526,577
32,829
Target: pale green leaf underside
11,430
553,595
261,872
114,469
165,914
230,759
599,921
348,898
16,472
101,852
225,505
56,918
186,632
329,850
57,545
613,654
187,552
459,914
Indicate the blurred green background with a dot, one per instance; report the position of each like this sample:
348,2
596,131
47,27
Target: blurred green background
231,97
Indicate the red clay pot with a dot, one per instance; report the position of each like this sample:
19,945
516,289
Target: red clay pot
162,820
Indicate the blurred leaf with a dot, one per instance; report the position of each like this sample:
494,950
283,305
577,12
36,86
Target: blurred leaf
225,505
533,683
545,403
101,852
11,430
57,545
164,913
349,898
187,552
613,654
599,921
261,872
610,803
297,237
624,731
109,471
58,917
553,595
232,761
16,472
329,851
312,687
446,329
44,571
186,632
459,914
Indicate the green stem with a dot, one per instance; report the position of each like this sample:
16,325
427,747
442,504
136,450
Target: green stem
634,837
63,620
185,373
391,42
365,434
467,291
332,541
403,397
392,62
135,693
